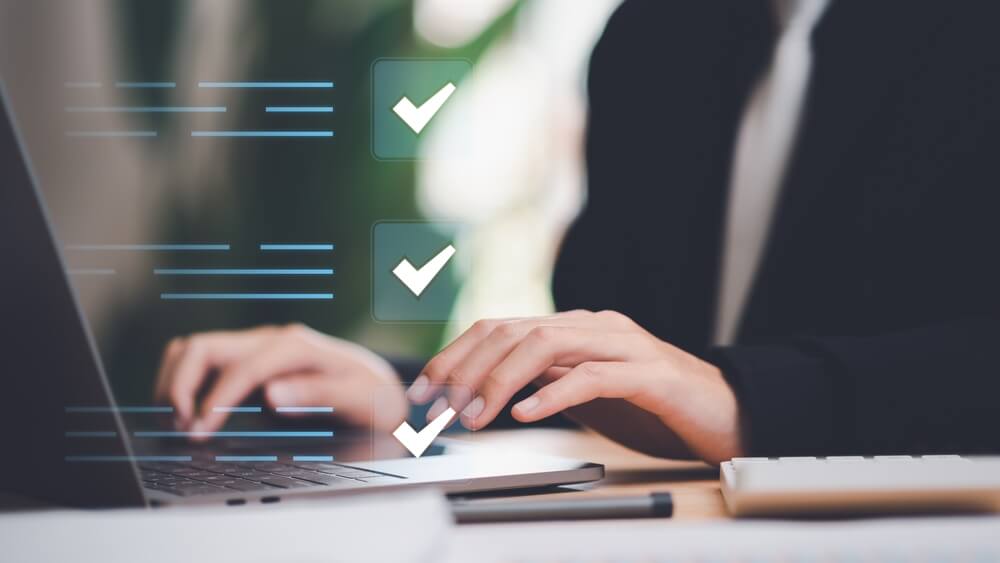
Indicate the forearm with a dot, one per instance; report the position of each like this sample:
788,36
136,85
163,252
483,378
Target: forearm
927,389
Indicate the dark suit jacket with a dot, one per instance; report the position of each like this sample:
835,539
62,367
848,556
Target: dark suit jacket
874,322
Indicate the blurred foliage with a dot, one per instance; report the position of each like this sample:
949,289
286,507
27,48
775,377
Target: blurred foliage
284,190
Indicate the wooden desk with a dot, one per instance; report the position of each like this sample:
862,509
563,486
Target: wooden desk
694,485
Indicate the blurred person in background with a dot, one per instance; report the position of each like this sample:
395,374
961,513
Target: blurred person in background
786,249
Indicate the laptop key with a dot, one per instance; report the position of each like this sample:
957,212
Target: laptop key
185,484
251,475
287,482
202,490
320,466
215,477
293,472
199,475
244,485
332,480
268,466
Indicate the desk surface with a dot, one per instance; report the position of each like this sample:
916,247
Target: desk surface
694,485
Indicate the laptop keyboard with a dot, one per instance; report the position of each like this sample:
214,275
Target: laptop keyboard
194,478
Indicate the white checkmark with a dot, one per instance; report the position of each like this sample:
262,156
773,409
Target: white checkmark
417,280
417,118
417,442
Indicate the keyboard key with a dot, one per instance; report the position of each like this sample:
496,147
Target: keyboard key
268,466
250,475
287,482
332,480
244,485
186,484
893,458
319,466
949,457
202,490
299,473
216,478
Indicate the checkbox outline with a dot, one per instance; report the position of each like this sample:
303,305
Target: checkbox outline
459,229
371,98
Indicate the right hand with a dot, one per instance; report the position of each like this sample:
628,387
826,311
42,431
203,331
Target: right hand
295,366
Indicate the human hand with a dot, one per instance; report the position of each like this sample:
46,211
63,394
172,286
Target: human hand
295,366
580,358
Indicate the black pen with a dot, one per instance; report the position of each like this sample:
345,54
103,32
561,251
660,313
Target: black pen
653,505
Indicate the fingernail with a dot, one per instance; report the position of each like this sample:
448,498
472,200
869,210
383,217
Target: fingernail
475,408
437,408
419,388
527,405
281,395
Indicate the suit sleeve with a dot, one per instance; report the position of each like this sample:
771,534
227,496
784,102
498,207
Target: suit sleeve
933,389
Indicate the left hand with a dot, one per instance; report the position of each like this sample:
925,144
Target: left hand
579,358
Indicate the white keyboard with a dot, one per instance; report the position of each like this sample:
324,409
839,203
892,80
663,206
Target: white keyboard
855,484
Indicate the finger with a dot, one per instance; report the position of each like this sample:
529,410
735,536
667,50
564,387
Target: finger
488,353
550,375
278,356
201,354
545,347
440,367
584,383
168,364
464,380
348,398
426,386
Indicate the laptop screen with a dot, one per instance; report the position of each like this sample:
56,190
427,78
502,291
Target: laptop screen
62,438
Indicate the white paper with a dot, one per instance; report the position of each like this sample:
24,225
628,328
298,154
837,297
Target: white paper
899,539
404,527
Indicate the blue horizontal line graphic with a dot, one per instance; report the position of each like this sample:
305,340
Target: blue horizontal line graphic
154,409
304,409
91,272
146,84
272,246
91,434
128,458
107,134
246,296
306,134
246,458
83,84
182,247
318,458
237,409
236,434
243,271
265,84
146,109
298,109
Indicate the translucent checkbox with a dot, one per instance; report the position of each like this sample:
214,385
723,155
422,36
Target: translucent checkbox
407,97
417,269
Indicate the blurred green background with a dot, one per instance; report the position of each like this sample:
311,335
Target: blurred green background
525,91
291,191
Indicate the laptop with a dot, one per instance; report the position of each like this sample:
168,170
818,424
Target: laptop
66,441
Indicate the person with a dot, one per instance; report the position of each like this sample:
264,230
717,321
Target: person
788,248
